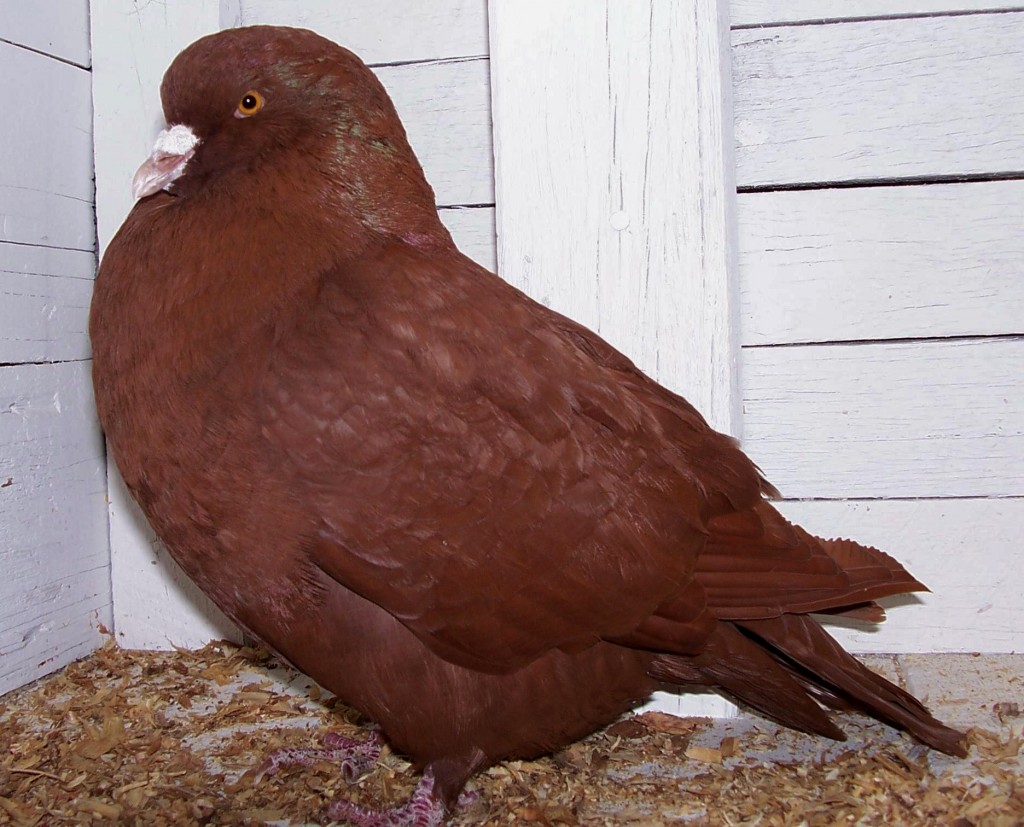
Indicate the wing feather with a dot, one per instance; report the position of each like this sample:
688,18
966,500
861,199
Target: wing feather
499,479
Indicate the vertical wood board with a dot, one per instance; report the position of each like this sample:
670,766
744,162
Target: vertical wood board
922,419
881,263
761,12
44,303
614,190
912,98
396,31
55,27
53,528
966,551
46,191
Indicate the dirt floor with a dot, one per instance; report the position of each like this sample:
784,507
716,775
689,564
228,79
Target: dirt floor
176,738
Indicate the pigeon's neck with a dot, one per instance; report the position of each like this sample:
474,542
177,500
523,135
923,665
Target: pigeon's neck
400,216
374,176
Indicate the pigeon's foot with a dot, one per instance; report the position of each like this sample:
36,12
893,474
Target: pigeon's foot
353,757
423,809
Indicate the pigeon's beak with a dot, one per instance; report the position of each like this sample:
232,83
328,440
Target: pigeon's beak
173,149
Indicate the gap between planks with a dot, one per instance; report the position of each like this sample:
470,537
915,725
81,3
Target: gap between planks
896,498
45,54
427,61
863,183
44,362
49,246
833,21
894,340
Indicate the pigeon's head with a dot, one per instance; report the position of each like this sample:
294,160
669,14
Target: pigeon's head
260,101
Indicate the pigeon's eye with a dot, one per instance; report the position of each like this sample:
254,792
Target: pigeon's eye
249,105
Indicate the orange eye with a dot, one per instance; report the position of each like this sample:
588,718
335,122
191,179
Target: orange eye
249,105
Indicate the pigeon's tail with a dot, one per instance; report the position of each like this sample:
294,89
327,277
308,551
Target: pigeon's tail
762,576
780,665
739,666
820,662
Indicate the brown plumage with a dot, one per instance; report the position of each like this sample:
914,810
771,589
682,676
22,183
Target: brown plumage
468,516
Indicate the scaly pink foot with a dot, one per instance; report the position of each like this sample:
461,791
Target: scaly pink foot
423,809
352,757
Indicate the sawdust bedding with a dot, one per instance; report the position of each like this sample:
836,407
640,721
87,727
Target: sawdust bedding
176,738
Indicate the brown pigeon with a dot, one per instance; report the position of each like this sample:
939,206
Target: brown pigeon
471,518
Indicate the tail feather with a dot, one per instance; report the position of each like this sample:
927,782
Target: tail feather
741,667
757,564
761,576
805,643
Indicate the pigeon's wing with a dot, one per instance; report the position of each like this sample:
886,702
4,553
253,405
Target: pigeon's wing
494,476
755,563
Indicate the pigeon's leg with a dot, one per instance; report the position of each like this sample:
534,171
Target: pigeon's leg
429,805
353,757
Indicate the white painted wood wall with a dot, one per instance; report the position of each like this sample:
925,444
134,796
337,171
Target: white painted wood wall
881,261
864,325
54,558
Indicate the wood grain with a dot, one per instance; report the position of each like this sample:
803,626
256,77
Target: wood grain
395,31
46,191
613,180
44,303
923,419
54,554
761,12
966,551
59,28
53,524
913,98
881,263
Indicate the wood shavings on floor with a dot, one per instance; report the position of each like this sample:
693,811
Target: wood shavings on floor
167,738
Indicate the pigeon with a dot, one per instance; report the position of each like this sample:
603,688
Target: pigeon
471,518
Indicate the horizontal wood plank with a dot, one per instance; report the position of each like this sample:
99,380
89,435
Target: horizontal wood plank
44,303
53,520
418,31
46,189
922,419
911,98
764,12
966,551
58,27
446,109
473,232
881,262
